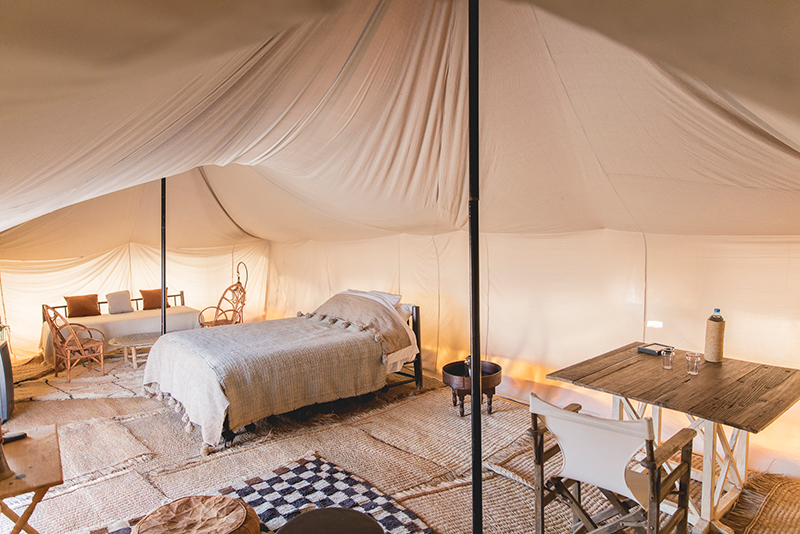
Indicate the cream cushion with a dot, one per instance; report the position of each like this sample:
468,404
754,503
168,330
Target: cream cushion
119,302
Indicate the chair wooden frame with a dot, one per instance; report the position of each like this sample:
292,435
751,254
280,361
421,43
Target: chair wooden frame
74,342
229,310
624,512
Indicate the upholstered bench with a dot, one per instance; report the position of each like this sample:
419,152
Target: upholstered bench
133,320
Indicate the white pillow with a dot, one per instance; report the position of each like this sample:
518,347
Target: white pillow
404,310
119,302
390,298
393,299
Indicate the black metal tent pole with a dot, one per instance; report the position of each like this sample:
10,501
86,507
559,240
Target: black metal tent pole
163,256
474,272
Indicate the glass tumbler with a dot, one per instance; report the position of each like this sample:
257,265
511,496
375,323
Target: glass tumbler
693,362
667,357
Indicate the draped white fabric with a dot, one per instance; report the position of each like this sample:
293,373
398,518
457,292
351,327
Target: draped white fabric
324,144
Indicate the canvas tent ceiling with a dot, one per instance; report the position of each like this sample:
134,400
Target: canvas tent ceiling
325,143
327,118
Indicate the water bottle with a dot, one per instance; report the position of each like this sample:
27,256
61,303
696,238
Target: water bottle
715,334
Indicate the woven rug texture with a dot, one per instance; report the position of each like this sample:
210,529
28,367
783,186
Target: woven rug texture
306,484
769,504
123,457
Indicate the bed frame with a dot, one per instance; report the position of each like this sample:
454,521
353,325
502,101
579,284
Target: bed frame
417,361
228,435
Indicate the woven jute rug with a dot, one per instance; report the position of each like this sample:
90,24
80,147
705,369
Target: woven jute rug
119,381
84,455
410,444
30,370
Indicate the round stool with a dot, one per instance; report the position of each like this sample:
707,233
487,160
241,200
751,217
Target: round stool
204,514
332,521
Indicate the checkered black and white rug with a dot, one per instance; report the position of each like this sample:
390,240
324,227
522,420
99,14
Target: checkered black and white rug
308,483
312,482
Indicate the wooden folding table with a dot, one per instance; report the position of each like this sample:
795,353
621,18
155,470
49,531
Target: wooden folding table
744,396
36,462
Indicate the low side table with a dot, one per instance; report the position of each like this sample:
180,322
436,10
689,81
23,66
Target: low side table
36,462
456,375
132,342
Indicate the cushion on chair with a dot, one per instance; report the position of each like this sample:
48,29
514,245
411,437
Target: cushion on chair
151,299
82,305
119,302
87,344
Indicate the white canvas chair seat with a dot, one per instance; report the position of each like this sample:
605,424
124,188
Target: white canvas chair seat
596,451
600,451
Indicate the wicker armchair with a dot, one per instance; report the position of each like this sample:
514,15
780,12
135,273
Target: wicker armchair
229,310
74,342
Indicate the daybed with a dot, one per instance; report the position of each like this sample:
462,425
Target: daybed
136,321
230,376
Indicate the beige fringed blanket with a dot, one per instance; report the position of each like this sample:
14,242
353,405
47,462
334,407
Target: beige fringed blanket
254,370
367,314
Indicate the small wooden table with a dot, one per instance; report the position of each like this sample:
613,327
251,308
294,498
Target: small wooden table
132,342
743,395
36,460
457,376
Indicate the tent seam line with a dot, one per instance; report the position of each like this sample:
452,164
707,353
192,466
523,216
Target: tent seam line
600,164
219,203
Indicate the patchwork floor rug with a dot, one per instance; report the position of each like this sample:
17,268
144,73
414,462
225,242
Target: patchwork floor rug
409,447
119,381
308,483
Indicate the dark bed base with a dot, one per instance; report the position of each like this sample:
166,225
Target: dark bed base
228,435
417,376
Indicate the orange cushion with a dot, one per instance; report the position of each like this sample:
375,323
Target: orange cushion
151,299
82,305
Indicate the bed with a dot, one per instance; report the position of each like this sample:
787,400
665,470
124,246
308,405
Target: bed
227,377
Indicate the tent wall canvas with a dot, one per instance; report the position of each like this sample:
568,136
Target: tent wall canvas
324,144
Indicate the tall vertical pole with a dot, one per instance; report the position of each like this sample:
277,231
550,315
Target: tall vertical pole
163,256
474,272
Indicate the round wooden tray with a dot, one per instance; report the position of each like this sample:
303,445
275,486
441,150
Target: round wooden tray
204,514
456,375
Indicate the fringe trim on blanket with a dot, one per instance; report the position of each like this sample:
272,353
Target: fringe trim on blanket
344,323
153,391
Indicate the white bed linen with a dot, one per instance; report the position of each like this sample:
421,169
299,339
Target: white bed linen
395,360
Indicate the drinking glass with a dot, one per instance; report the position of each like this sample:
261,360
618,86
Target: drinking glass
667,357
693,362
